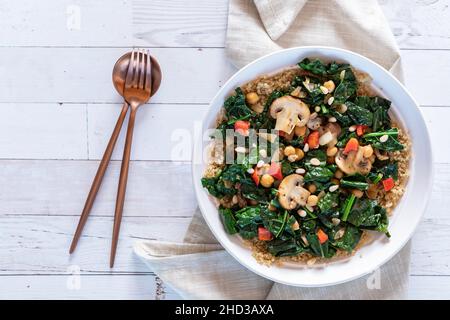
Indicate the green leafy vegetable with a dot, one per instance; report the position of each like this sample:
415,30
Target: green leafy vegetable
354,184
347,207
391,144
349,240
228,220
236,107
359,115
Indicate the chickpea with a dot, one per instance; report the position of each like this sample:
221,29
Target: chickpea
334,181
358,193
312,200
300,154
312,188
331,151
368,151
289,150
252,97
267,180
339,174
300,131
329,85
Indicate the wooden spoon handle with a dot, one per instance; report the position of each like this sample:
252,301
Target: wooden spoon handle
122,185
99,177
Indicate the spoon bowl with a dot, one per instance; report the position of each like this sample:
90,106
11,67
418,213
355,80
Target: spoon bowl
120,69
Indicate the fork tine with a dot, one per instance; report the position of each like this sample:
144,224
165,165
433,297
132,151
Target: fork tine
136,69
148,74
130,72
142,70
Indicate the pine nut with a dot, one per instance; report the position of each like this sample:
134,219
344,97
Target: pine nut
333,188
332,119
301,213
300,171
384,138
352,128
323,89
315,162
330,101
335,221
306,147
263,153
260,164
240,150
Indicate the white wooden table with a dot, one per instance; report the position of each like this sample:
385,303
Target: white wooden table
58,108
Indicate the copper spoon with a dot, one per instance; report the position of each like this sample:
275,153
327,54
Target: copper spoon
118,76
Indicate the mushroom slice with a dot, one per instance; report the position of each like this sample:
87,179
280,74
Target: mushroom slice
289,112
353,162
333,131
291,194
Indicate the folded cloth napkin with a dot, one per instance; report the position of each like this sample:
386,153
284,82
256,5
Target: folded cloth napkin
199,268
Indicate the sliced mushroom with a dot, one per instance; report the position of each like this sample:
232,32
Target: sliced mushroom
289,112
353,162
315,123
381,156
332,128
291,194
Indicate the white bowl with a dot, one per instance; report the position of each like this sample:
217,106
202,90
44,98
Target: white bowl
406,215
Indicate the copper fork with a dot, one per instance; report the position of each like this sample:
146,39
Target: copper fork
137,91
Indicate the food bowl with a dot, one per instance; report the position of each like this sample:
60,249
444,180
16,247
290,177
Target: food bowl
406,216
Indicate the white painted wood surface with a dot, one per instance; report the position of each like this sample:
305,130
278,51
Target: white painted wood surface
58,108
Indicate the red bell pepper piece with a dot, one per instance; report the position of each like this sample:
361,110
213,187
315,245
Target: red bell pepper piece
242,127
255,177
352,145
360,129
264,234
313,140
275,170
388,183
323,237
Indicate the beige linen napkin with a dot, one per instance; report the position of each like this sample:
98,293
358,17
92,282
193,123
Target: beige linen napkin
199,268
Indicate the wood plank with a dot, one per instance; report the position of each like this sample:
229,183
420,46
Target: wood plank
178,23
147,192
63,287
56,74
429,287
162,132
143,287
39,245
418,24
67,132
423,79
61,187
188,80
43,131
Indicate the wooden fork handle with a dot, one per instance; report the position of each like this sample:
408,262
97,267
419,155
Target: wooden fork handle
122,185
99,177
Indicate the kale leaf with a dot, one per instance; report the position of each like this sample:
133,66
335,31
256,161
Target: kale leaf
228,220
367,214
359,115
235,106
392,143
349,240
